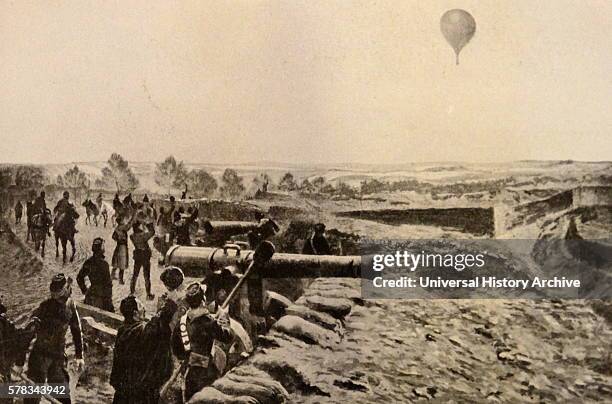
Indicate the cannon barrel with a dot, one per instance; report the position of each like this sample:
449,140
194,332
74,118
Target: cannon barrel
229,228
201,261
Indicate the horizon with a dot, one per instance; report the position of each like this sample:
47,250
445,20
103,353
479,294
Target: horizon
288,164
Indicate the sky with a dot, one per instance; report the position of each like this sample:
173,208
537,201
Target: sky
303,81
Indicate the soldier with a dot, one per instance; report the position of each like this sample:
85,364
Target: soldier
47,361
99,200
172,278
193,338
100,291
317,243
142,256
148,210
40,205
165,227
128,202
183,226
18,212
142,359
266,229
63,205
178,214
117,205
14,343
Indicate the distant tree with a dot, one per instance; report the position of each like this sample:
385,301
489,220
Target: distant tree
344,189
232,184
201,183
73,179
262,182
373,186
6,177
170,174
287,183
117,173
318,183
29,177
327,188
306,186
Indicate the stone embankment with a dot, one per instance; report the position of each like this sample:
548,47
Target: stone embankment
284,364
333,347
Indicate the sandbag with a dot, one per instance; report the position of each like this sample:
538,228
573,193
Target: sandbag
209,395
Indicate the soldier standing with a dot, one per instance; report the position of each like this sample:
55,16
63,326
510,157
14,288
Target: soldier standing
100,291
183,226
142,256
166,227
120,257
317,243
142,359
18,212
193,339
47,362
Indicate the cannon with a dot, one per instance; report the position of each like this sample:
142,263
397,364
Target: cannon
218,233
228,228
222,267
202,261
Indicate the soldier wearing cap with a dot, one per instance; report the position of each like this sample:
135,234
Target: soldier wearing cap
142,358
317,243
172,277
193,339
63,205
100,291
47,362
142,256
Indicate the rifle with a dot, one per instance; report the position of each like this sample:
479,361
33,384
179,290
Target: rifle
263,253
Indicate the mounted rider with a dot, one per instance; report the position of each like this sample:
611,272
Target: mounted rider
64,204
65,210
99,200
40,205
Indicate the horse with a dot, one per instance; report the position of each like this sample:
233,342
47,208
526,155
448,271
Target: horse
64,228
92,210
40,229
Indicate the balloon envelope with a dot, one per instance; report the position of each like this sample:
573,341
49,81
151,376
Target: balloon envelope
458,27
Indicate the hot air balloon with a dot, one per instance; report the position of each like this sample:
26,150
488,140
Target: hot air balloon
458,27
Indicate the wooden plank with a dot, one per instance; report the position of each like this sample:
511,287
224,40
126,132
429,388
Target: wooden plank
109,319
99,331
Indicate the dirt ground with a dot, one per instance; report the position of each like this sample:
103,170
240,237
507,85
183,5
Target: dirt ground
25,281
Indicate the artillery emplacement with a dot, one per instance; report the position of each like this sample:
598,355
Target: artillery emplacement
223,267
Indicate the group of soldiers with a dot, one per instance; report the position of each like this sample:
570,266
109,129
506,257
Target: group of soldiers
183,325
37,206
